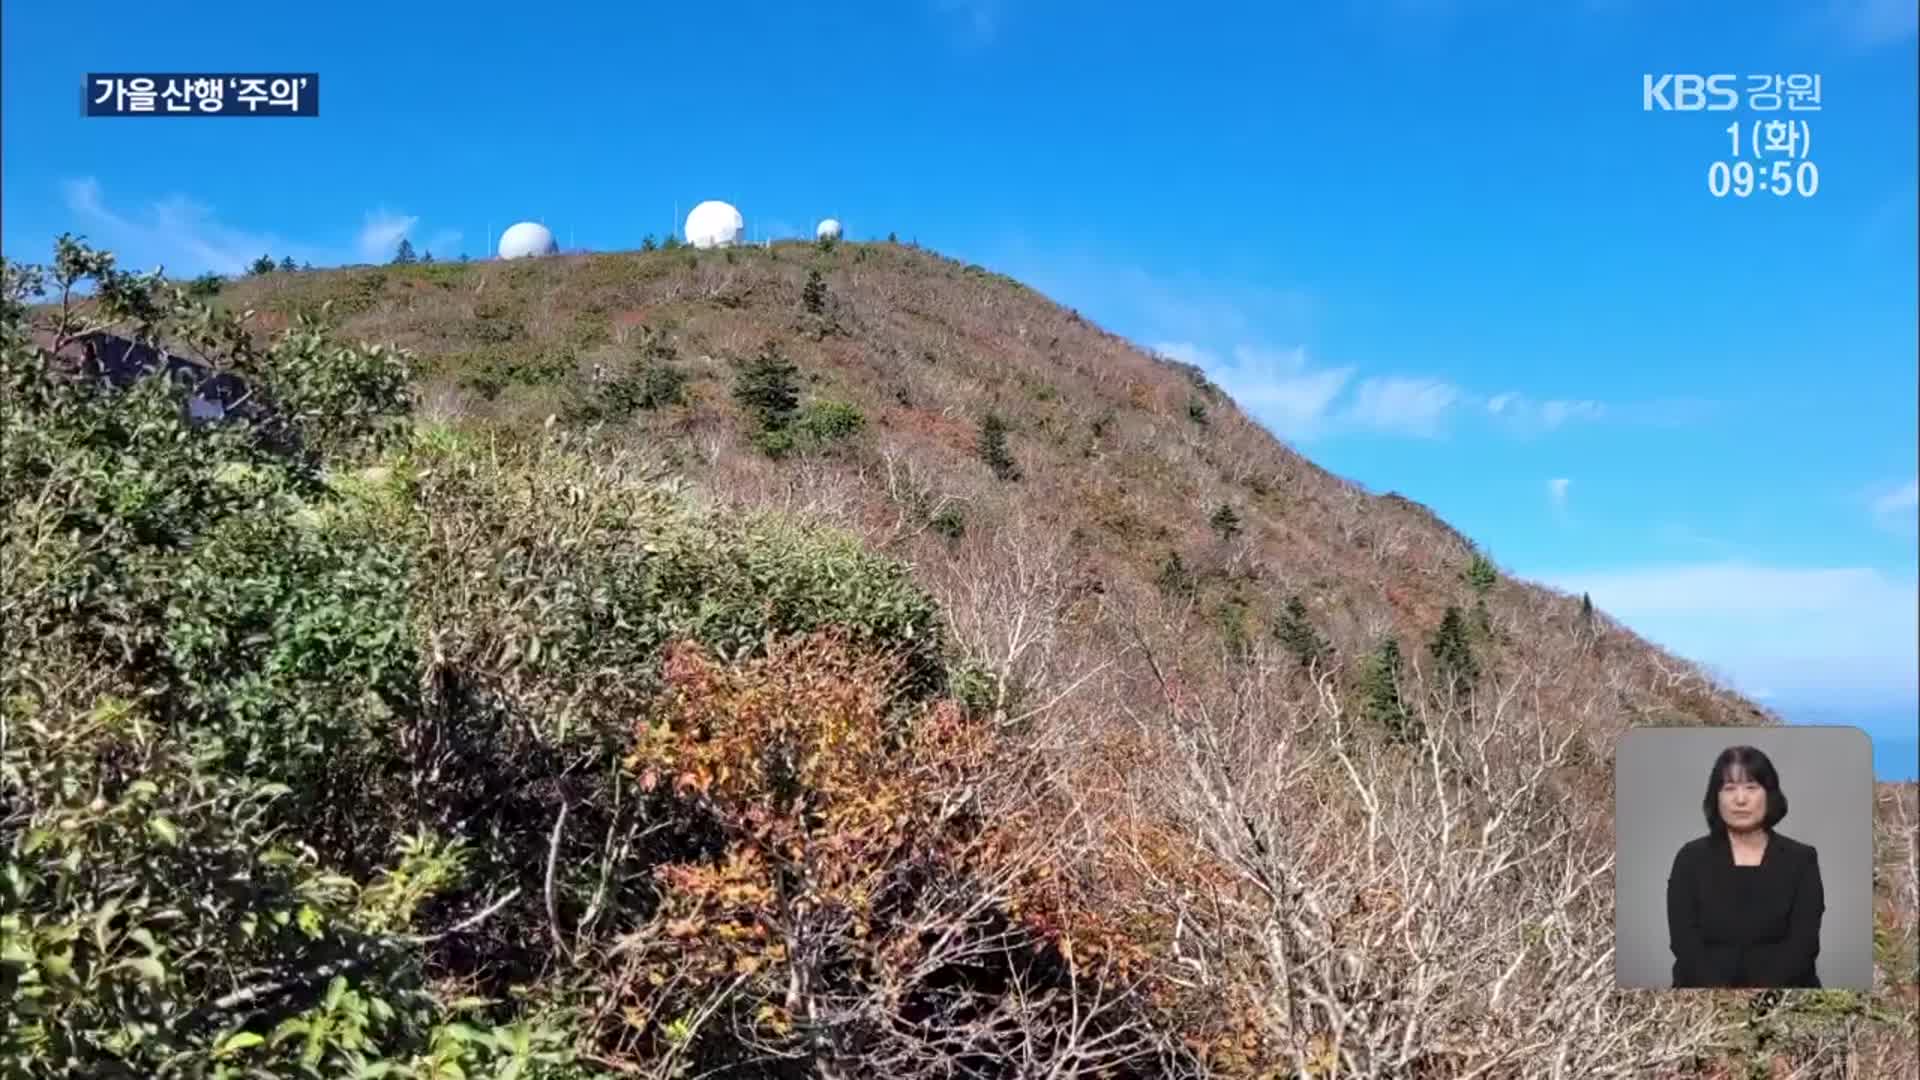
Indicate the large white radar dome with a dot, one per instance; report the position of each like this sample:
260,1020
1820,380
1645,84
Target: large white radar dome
714,224
527,238
827,230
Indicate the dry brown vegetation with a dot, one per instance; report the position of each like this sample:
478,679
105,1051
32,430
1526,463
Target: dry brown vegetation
1135,832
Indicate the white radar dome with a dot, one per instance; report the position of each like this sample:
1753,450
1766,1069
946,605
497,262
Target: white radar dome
827,230
714,224
527,238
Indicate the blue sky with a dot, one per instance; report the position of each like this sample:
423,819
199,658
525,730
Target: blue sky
1436,244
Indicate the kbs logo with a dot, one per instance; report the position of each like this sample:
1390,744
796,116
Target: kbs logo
1689,93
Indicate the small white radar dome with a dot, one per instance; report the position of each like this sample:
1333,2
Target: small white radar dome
527,238
827,230
714,224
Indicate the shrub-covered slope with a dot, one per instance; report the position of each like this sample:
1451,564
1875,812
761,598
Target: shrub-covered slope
791,663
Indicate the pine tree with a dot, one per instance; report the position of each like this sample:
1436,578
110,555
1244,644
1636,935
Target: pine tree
261,265
893,238
1453,653
1481,574
813,295
1586,609
647,243
426,256
287,265
1174,579
1380,695
1296,632
769,388
671,242
994,450
306,266
1225,522
404,253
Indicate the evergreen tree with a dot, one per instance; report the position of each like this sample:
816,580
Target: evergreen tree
1296,632
261,265
1453,653
463,256
404,254
1586,609
287,265
893,238
813,295
994,450
1174,579
306,266
769,388
205,287
426,256
671,242
1481,574
1225,522
647,243
1380,695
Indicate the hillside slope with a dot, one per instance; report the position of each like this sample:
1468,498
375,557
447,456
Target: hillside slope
1124,458
1213,763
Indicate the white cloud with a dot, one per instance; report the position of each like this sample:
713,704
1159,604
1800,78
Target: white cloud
186,237
1840,637
382,233
175,233
1401,405
1279,387
1557,491
1524,415
1213,324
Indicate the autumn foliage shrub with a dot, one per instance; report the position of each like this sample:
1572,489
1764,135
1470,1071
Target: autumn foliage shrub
860,906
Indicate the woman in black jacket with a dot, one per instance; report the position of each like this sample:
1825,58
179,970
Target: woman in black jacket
1744,902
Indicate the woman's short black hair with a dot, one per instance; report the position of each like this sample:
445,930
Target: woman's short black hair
1758,768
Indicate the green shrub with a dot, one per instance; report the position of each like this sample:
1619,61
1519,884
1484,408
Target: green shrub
1231,617
154,922
776,443
830,421
300,658
491,370
974,686
949,523
650,386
